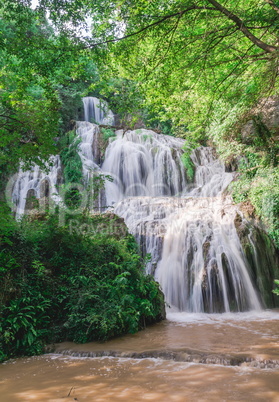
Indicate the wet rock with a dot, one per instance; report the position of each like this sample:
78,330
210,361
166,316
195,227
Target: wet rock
268,109
32,203
178,355
241,227
231,164
260,253
248,132
247,209
44,188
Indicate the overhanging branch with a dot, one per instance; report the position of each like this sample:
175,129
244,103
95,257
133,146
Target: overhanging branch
271,3
167,17
240,24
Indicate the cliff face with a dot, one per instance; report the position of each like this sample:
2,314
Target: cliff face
263,117
260,253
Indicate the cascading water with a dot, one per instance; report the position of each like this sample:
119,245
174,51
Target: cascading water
88,148
143,163
196,254
210,176
192,232
97,111
38,184
187,228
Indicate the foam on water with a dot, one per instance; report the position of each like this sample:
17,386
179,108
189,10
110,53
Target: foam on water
224,318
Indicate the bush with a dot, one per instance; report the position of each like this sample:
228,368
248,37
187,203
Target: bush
59,285
260,185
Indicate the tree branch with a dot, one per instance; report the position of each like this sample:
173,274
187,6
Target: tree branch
172,32
240,24
271,3
10,118
167,17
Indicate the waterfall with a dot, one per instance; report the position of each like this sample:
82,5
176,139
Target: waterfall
37,183
88,135
187,229
97,111
196,253
42,184
143,163
210,176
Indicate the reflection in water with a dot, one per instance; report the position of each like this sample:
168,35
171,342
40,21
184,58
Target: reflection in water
55,377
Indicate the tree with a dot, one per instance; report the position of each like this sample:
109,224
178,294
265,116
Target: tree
40,69
188,54
184,54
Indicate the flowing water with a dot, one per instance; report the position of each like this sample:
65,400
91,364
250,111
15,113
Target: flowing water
36,183
97,111
188,357
189,229
40,183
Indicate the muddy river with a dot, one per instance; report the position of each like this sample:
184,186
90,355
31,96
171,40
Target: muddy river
188,357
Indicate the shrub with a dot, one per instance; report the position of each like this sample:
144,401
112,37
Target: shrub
58,284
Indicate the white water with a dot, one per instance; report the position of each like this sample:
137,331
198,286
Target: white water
97,111
40,183
236,319
88,134
210,177
187,228
144,163
31,182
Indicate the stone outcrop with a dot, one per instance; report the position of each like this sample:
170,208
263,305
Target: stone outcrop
260,253
265,115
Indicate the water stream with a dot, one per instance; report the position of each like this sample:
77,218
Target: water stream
188,357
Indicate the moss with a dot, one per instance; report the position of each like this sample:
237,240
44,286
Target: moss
189,166
262,257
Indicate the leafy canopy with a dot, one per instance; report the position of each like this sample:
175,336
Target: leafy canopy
184,54
40,69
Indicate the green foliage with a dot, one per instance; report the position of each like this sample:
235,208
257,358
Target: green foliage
188,163
186,158
72,165
73,177
24,325
67,283
260,185
179,64
42,78
72,198
276,291
255,156
183,56
123,96
107,133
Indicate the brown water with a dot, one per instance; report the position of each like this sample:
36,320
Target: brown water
159,364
